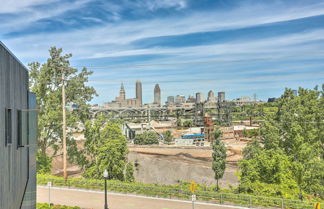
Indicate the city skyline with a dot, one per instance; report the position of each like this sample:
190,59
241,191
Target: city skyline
124,100
240,47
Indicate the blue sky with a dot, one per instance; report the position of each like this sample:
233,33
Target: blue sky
187,46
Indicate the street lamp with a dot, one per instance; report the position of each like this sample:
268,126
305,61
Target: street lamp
105,174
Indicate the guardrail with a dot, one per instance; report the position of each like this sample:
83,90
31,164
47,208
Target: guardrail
173,193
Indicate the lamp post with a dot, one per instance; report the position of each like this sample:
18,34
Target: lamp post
105,174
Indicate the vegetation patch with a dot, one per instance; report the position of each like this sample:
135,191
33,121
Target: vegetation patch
46,206
179,191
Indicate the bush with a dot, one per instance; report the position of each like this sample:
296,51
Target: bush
44,163
46,206
147,138
129,174
187,123
179,191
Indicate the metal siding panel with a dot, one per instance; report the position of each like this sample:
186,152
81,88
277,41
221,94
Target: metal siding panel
13,160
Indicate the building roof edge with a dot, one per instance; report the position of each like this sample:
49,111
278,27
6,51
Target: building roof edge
12,54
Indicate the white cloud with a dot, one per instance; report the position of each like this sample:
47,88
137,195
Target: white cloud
12,6
115,39
90,42
158,4
26,15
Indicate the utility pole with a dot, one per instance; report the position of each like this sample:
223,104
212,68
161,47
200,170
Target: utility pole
149,115
64,127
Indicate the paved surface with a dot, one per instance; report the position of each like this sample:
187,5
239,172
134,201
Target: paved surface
95,200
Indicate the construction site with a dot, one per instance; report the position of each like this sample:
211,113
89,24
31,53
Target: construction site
187,158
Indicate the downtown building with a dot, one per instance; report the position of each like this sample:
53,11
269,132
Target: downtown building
200,97
221,97
18,135
170,100
157,95
121,101
211,97
180,99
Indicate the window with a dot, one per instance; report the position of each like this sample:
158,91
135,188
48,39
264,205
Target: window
8,126
22,124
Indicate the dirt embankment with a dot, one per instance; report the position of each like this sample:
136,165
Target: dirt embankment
169,164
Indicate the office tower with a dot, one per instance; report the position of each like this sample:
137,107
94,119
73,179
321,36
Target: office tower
191,99
157,95
221,96
121,101
180,99
122,93
211,97
200,97
170,100
139,93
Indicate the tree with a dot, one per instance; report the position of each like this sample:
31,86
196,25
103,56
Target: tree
147,138
290,145
187,123
252,133
44,163
167,137
105,148
129,173
219,156
179,122
46,82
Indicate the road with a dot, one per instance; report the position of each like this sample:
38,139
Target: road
88,199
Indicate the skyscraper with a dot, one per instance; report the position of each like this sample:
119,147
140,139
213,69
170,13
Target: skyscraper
157,95
211,96
180,99
200,97
221,96
121,101
139,92
170,100
122,92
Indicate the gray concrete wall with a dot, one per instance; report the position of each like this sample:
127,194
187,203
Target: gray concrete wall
14,160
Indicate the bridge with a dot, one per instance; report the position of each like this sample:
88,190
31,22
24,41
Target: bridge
221,112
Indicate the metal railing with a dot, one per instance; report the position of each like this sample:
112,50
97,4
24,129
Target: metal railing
184,194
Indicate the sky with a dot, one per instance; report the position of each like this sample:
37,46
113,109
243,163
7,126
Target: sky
186,46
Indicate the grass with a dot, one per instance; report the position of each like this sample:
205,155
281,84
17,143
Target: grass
180,191
46,206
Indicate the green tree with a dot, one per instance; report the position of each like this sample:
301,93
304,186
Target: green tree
252,133
167,137
219,156
44,163
129,173
179,122
147,138
291,145
46,82
105,148
187,123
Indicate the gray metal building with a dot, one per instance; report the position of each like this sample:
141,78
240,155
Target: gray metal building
18,128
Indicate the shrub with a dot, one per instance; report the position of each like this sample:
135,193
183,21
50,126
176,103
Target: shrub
147,138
